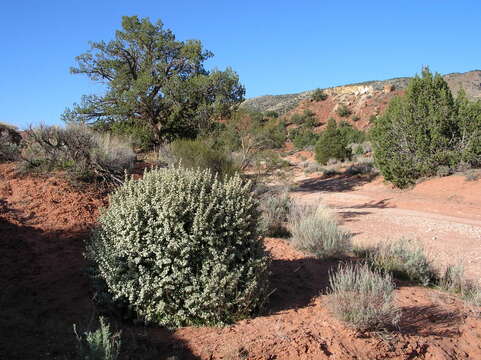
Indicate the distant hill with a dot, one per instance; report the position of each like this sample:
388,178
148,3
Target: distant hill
364,99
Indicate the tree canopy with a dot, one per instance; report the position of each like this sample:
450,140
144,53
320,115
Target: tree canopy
425,129
154,80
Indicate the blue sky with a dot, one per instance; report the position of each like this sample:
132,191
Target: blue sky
276,47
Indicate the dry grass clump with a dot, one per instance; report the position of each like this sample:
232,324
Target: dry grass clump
314,230
362,165
363,297
275,208
454,281
403,258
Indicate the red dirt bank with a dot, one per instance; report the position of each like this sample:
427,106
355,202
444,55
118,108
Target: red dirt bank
43,221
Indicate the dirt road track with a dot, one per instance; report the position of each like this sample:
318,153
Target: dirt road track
443,214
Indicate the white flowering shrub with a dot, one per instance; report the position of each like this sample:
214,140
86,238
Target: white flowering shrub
182,247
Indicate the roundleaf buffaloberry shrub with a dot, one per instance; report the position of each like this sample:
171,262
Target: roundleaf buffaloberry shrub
182,247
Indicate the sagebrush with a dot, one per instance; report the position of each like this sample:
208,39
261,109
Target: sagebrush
78,149
314,230
363,297
275,208
182,247
404,259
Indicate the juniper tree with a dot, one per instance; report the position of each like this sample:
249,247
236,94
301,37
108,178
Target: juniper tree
425,129
154,80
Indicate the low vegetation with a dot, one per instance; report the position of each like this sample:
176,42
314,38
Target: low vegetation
9,143
332,144
314,230
363,297
275,207
404,259
181,247
319,95
100,344
76,148
198,154
343,111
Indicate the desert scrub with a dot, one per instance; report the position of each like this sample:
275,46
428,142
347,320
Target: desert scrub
84,153
404,259
363,297
198,154
181,247
454,281
10,141
100,344
314,230
275,210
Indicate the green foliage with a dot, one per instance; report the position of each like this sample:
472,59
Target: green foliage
425,129
363,297
318,95
141,136
351,134
303,137
307,119
343,111
182,247
84,153
98,345
314,230
271,114
403,259
198,154
155,80
355,118
332,144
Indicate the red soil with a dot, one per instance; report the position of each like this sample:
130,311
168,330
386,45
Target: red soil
43,222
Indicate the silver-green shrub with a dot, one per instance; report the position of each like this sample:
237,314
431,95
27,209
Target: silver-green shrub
182,247
363,297
80,150
314,230
404,259
275,211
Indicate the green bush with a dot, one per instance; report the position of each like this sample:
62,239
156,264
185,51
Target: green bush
351,134
426,129
140,135
318,95
363,297
302,137
84,153
271,114
181,247
332,144
314,230
306,119
343,111
200,154
98,345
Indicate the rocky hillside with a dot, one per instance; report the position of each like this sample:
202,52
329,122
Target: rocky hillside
363,99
